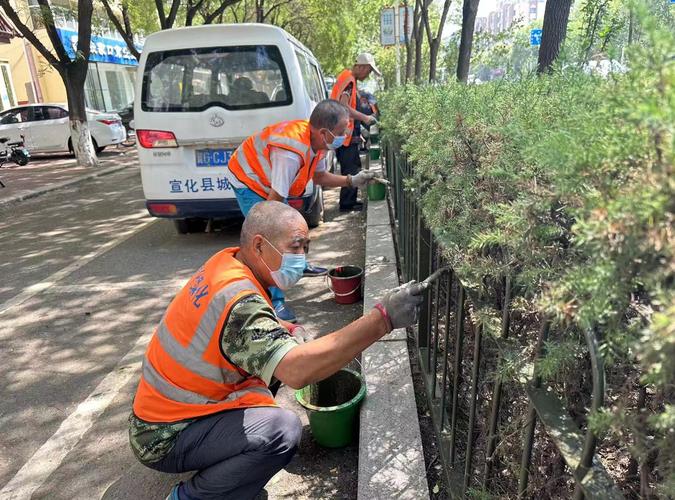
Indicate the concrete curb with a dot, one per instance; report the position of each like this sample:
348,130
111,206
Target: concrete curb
60,185
391,456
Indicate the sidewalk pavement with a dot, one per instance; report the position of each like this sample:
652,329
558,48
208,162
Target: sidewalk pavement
46,173
317,472
391,455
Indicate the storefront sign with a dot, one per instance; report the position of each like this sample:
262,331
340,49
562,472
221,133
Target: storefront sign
107,50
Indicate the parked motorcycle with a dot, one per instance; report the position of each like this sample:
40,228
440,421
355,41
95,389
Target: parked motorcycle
14,152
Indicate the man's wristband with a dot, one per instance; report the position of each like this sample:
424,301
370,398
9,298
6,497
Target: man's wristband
385,316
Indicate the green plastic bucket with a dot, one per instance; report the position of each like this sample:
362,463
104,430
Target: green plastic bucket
332,406
374,153
376,191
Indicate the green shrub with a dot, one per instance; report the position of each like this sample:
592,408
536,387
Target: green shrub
566,184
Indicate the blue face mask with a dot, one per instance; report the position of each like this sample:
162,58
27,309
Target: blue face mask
338,140
291,269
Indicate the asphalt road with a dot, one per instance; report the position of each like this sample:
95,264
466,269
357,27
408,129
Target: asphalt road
86,275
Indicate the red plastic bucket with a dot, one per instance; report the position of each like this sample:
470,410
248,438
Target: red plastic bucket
345,283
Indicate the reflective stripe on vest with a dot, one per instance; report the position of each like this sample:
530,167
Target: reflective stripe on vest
250,163
170,391
192,356
185,372
343,81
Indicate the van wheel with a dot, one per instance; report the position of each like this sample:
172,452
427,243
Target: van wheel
315,216
186,226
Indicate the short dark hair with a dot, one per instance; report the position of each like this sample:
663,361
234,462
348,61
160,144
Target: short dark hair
327,114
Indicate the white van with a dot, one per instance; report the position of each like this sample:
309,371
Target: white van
200,92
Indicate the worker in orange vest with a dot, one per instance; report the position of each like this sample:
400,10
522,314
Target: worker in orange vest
204,402
345,91
279,161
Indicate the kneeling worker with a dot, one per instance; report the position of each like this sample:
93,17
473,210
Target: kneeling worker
279,161
203,403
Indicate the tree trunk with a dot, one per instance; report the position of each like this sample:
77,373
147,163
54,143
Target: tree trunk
80,136
409,41
418,53
260,11
469,12
433,57
553,34
435,41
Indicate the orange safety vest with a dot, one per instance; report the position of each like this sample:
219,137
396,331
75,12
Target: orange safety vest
251,162
343,81
185,374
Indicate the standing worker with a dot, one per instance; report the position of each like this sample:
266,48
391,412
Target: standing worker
280,160
345,91
203,402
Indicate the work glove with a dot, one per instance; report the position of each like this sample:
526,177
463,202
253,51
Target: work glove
362,178
400,306
300,334
372,120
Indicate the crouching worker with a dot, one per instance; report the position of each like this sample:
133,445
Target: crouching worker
203,402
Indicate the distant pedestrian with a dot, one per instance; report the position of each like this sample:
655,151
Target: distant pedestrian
345,91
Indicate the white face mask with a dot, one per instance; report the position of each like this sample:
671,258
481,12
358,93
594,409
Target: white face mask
291,268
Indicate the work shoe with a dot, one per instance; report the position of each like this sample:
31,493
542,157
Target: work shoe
284,312
312,270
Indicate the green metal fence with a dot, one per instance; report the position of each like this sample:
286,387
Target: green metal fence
476,409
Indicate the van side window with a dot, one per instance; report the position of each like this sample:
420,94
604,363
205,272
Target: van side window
319,81
309,78
243,77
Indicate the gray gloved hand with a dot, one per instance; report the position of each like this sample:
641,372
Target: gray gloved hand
401,305
373,120
362,178
300,334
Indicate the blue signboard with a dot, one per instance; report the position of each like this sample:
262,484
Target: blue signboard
107,50
535,37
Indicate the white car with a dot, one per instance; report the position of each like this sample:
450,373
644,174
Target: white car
45,127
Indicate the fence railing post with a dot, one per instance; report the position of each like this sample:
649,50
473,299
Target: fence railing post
497,393
532,414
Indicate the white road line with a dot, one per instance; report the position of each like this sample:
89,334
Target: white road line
50,455
36,288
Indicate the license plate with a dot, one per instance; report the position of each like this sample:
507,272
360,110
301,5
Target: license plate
213,157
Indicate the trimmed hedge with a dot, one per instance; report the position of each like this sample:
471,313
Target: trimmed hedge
565,183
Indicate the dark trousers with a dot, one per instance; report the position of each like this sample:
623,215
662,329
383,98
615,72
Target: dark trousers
350,164
234,452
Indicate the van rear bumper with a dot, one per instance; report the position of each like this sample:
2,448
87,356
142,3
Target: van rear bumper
205,209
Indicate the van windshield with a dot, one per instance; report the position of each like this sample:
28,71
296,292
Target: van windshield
244,77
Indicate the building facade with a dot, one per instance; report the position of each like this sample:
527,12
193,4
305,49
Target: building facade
509,12
112,69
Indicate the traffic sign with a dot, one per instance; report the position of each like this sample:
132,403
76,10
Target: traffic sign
535,37
387,27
